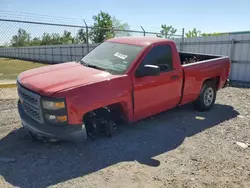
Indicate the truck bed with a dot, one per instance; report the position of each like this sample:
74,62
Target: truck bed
187,58
200,67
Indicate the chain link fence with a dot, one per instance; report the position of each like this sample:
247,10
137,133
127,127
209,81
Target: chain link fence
26,45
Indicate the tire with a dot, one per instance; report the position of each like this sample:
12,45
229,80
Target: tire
207,97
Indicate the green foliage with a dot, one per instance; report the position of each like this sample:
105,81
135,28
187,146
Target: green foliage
21,39
81,36
193,33
55,38
118,24
66,38
213,34
101,29
167,31
50,39
5,45
35,42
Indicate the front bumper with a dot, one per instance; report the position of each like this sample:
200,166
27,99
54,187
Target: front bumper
64,132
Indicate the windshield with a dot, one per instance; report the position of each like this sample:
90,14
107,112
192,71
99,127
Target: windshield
112,57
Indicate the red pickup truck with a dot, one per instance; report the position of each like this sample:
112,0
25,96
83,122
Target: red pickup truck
122,79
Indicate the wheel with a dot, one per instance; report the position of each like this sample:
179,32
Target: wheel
207,97
99,123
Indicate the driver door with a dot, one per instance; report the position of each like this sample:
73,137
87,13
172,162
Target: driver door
154,94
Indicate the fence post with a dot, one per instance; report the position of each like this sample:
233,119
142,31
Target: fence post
231,56
70,53
182,40
61,59
87,35
232,51
144,32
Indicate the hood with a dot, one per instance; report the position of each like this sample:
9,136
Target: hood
51,79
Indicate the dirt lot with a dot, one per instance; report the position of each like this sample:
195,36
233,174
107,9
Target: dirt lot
179,148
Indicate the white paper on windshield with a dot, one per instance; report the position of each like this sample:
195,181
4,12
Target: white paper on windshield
120,55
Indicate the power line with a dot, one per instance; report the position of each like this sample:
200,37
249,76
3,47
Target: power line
30,16
40,15
40,19
47,17
67,20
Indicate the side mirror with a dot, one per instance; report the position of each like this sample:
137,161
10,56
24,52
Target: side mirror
148,70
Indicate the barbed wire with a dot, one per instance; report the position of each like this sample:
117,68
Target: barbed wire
69,20
41,17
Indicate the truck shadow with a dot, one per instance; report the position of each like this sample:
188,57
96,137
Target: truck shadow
45,164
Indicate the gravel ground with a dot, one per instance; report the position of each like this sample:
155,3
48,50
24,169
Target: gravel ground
8,93
178,148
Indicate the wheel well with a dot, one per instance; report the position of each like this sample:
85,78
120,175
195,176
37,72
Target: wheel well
114,110
215,80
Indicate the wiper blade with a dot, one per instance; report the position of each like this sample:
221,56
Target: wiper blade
91,66
83,63
95,67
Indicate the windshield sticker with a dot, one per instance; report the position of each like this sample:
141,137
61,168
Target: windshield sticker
120,55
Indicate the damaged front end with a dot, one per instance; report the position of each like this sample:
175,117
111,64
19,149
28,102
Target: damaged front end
100,122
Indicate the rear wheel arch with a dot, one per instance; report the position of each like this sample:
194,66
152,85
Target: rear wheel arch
200,103
214,80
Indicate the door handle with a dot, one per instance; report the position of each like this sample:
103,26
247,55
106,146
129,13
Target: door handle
175,77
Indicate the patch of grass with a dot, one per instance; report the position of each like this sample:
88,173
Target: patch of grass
11,68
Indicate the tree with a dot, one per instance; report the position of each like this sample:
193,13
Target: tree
118,24
21,39
66,38
101,29
5,45
46,39
81,36
35,42
193,33
213,34
167,31
50,39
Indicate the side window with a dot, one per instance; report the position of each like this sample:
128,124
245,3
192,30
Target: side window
160,56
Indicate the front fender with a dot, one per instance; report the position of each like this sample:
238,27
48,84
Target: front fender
84,99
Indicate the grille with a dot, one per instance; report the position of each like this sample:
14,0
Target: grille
31,103
34,113
28,98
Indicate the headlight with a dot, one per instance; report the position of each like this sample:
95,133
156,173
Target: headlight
53,105
55,119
